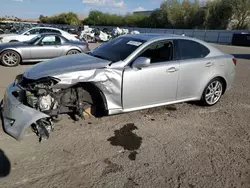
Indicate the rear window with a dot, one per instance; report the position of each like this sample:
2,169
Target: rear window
118,49
188,49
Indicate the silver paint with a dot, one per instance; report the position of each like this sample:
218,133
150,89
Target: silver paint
127,88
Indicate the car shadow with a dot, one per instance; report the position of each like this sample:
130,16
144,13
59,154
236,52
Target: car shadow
242,56
5,165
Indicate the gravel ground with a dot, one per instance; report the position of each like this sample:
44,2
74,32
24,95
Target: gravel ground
181,145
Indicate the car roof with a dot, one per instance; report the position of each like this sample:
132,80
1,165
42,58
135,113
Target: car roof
45,28
165,36
152,36
52,34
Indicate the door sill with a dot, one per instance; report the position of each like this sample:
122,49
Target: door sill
117,111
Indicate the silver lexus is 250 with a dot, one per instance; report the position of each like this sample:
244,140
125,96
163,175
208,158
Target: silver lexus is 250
128,73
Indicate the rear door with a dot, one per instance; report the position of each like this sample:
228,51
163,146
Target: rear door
48,47
195,68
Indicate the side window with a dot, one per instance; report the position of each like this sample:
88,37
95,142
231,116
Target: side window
55,31
43,31
34,31
50,31
159,52
188,49
51,40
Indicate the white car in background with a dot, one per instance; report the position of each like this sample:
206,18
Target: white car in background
31,33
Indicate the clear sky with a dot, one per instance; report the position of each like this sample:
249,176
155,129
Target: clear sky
34,8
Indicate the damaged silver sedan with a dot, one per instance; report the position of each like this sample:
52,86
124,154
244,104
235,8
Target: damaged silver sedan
129,73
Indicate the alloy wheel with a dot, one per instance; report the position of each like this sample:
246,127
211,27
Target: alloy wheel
213,92
10,58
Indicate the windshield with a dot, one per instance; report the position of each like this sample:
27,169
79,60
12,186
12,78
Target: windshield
34,40
117,49
23,31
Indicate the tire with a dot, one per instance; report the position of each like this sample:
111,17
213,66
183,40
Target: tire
14,41
10,58
212,92
72,52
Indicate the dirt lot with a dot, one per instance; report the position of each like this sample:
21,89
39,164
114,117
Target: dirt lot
174,146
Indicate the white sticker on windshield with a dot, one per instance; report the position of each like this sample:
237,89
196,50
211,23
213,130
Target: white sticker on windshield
134,43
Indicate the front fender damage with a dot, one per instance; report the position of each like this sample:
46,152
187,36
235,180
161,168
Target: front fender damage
37,103
109,81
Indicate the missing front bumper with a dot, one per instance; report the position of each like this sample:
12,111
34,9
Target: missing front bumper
17,117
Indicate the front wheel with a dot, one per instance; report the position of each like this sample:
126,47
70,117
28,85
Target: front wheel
212,92
10,58
72,52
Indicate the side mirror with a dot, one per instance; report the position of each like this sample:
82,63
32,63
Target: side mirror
141,62
28,33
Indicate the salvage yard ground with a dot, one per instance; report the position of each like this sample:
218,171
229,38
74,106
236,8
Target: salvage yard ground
181,145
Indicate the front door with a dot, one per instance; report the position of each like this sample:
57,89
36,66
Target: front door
152,85
47,48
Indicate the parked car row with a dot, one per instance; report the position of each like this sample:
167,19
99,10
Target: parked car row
103,35
30,33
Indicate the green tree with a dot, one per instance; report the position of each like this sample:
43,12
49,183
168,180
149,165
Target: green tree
185,14
94,18
64,18
218,14
159,19
241,13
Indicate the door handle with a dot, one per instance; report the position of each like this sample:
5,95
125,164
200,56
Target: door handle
172,69
209,64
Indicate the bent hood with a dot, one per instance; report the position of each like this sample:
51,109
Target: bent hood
65,64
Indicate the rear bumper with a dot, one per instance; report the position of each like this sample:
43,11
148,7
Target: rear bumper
230,80
17,117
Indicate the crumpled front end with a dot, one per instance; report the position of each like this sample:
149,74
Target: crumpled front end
38,102
15,115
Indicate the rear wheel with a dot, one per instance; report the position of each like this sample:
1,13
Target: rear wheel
72,52
10,58
212,92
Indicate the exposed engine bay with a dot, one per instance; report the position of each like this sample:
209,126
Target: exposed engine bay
41,95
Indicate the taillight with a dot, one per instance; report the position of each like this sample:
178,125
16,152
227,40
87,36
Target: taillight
235,61
87,46
76,37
